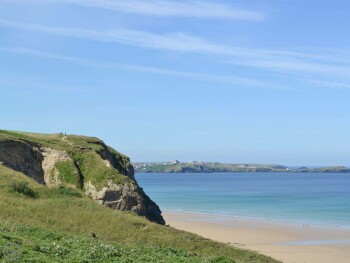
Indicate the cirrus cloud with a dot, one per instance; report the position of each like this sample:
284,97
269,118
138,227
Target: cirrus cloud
161,8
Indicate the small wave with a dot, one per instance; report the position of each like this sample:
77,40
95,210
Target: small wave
317,242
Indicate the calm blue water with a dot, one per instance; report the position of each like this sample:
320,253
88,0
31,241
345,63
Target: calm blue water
300,198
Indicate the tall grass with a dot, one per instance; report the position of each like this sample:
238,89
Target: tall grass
34,244
69,211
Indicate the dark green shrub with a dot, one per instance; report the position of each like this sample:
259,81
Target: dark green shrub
23,188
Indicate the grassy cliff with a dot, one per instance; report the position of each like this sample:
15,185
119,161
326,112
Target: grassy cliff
80,162
63,224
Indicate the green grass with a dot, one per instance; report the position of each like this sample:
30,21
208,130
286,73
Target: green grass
86,142
49,140
58,141
35,244
95,171
68,173
69,213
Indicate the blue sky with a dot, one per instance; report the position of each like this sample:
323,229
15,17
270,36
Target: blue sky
229,81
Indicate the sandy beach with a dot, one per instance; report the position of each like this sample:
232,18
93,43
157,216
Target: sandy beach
289,243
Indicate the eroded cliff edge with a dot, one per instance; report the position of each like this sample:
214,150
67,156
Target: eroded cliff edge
87,163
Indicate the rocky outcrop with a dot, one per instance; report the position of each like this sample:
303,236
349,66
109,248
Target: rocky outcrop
41,163
126,197
22,157
117,196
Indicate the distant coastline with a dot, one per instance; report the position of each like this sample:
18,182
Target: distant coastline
176,166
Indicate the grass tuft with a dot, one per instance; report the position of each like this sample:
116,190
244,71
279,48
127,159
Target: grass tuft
23,187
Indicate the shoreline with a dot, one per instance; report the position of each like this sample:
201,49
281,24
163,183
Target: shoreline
287,242
216,217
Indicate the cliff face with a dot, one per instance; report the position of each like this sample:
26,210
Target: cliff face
22,158
104,174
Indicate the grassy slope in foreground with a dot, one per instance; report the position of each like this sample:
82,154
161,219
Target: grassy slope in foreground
35,244
49,227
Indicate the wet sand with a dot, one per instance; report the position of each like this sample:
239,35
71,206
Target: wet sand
289,243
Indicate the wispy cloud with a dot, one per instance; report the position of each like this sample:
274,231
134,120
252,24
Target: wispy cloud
195,9
286,64
329,84
232,80
273,60
173,41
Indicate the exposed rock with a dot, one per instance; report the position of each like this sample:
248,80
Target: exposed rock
107,163
23,158
51,157
123,197
35,162
126,197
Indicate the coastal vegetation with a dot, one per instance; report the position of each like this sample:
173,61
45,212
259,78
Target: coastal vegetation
49,216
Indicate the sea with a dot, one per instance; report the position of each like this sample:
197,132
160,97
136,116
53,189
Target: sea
312,198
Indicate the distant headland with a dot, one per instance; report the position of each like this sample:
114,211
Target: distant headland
176,166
